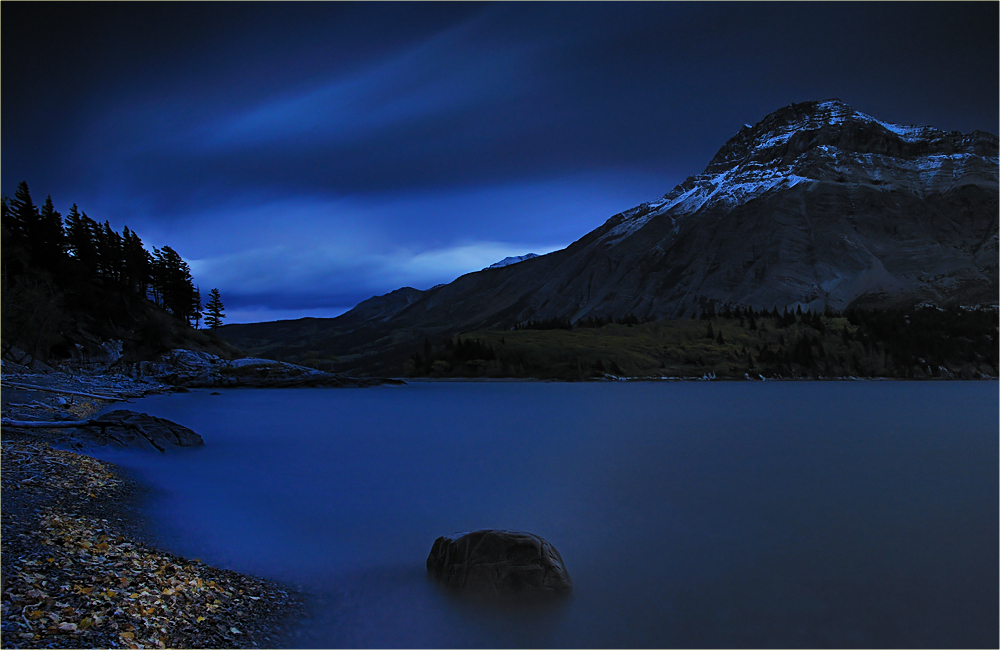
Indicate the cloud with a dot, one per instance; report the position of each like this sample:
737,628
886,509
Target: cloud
321,281
263,314
324,270
337,251
426,268
451,71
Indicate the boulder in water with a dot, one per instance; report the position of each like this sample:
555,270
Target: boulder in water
498,561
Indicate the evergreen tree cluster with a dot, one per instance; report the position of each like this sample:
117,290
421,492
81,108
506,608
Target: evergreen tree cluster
544,324
628,320
63,274
458,353
38,240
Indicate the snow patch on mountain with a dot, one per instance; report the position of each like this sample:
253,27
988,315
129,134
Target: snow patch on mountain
507,261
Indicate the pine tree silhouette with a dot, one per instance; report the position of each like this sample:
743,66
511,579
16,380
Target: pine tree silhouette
215,311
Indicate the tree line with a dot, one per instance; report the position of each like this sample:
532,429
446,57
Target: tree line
731,342
39,240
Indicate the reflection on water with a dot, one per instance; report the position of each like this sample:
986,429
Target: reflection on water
688,514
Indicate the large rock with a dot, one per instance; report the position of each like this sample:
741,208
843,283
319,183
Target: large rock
498,561
139,430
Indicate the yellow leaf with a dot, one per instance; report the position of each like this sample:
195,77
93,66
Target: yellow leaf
126,635
36,614
199,619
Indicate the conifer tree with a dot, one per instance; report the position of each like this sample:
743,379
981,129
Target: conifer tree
46,239
21,216
81,239
194,317
172,282
13,257
215,311
22,208
110,256
135,263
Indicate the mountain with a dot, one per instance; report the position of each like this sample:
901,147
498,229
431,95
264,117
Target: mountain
817,205
507,261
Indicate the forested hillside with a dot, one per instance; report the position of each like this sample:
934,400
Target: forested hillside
924,342
73,285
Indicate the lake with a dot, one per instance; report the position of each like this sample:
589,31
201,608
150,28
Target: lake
689,514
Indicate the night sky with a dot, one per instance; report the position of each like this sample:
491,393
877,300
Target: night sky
304,157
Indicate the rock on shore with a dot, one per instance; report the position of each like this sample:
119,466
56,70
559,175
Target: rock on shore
131,429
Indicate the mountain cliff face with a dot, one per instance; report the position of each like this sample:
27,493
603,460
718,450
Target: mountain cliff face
816,205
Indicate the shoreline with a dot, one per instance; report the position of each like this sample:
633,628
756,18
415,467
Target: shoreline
78,566
431,380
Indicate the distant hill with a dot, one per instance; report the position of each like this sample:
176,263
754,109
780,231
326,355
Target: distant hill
507,261
816,206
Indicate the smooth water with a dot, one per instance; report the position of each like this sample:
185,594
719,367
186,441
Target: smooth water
777,514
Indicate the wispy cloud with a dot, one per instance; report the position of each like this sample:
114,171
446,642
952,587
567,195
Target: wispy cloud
427,79
320,269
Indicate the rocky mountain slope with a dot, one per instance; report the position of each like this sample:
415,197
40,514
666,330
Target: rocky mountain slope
816,205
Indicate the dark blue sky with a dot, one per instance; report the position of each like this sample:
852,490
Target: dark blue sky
304,157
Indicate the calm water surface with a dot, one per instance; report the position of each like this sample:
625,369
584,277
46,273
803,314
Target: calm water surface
811,514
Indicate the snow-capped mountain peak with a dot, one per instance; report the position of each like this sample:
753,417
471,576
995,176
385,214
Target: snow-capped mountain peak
818,142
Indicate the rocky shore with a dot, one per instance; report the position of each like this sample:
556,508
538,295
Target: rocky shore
77,571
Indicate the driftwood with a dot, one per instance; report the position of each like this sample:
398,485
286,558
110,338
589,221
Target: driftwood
56,424
60,390
74,424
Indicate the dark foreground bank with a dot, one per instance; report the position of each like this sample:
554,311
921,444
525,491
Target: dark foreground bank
77,571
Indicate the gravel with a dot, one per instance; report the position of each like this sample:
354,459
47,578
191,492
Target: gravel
77,570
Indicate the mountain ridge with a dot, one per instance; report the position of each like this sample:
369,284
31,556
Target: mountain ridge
817,205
